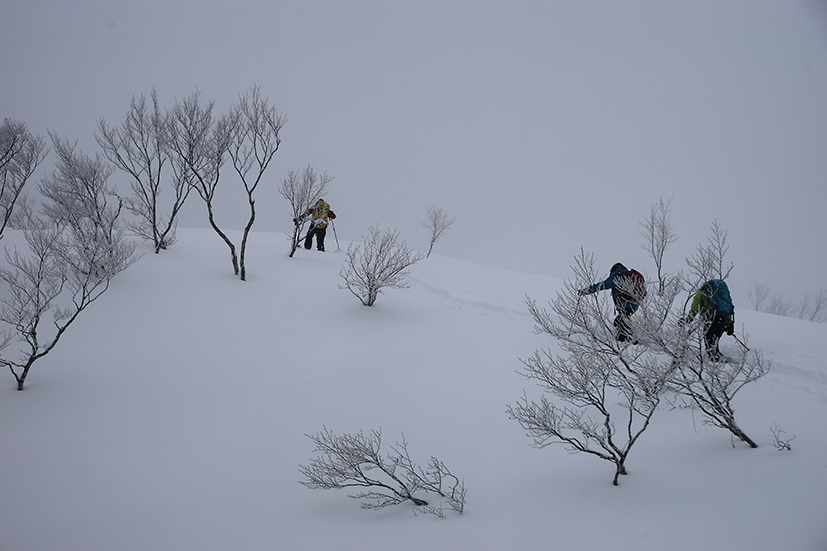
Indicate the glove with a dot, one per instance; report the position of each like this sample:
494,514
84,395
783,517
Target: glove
296,221
582,292
730,327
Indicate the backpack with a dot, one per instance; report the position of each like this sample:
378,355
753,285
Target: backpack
632,287
320,214
720,302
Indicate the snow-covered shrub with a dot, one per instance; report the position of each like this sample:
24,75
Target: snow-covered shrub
349,461
380,261
609,390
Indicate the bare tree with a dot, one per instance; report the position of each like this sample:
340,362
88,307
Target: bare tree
706,385
811,307
436,222
701,383
303,191
818,311
249,136
757,295
381,261
802,309
708,261
254,143
658,235
779,306
140,148
201,141
349,461
20,155
76,251
78,192
611,390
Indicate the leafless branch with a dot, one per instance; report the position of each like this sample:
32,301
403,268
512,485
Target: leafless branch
708,261
75,253
20,155
255,141
780,441
658,234
302,191
436,222
381,261
140,148
611,390
355,461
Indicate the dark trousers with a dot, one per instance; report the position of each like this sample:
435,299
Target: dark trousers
319,233
623,328
714,329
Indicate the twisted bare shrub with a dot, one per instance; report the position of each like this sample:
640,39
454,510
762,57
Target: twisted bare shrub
349,461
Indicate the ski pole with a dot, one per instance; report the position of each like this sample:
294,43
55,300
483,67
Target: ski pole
332,225
734,336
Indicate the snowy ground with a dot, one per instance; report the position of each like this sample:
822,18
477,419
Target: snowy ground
173,415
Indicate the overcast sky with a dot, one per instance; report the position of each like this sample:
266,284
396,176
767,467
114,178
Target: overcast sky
543,126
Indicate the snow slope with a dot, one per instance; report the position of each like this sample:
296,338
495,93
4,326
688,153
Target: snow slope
174,413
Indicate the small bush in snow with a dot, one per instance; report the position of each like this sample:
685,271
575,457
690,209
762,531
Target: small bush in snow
780,441
349,461
381,261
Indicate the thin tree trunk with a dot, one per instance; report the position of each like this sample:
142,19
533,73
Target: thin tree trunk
740,434
225,238
244,238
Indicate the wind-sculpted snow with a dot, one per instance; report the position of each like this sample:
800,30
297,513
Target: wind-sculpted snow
173,417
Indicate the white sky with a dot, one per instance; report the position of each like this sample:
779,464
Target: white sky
543,126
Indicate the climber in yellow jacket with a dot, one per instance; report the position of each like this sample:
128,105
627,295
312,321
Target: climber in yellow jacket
320,215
